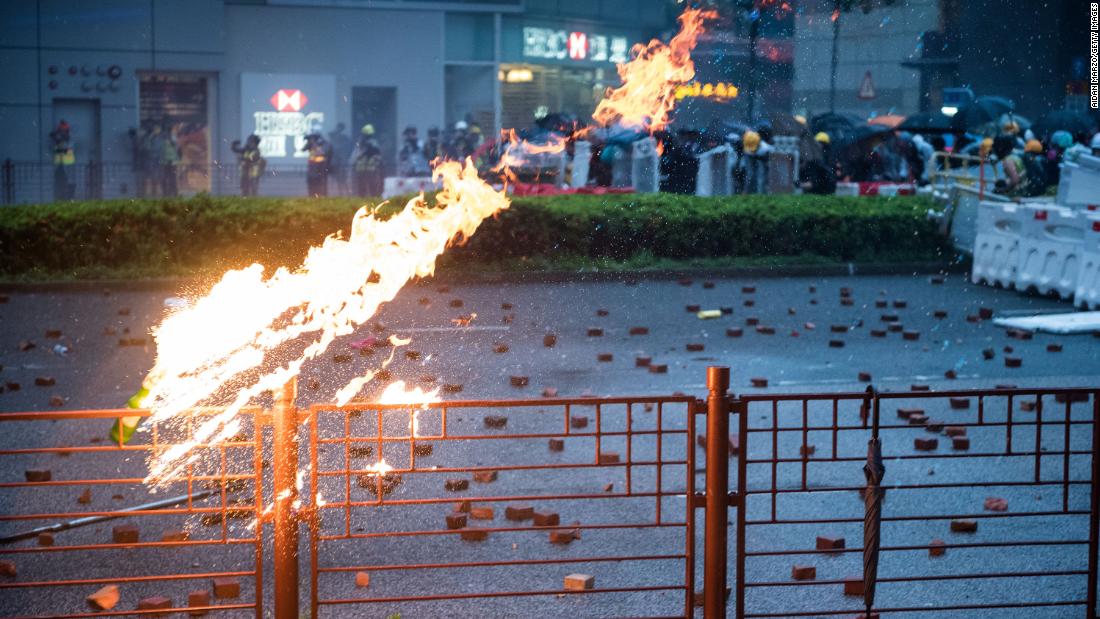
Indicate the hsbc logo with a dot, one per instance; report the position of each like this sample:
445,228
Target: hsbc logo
287,100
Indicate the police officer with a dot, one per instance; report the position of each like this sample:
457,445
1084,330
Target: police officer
63,160
250,163
317,165
367,163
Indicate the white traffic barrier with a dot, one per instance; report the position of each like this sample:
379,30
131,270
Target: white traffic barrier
1079,183
959,219
847,189
1051,240
582,155
715,172
402,185
997,244
1087,294
645,166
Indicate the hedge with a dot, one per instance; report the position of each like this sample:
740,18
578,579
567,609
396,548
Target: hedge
144,238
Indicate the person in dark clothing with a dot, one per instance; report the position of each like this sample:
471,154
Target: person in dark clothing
250,164
367,163
679,167
341,153
433,146
317,167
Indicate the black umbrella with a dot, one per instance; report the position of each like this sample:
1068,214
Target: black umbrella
926,122
1064,120
840,127
872,507
981,111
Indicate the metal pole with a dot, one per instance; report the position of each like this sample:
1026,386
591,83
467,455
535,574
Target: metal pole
754,33
285,522
715,552
832,74
742,501
1094,512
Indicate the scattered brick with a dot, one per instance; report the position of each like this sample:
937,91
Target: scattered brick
880,303
759,382
1028,406
806,450
726,310
158,602
838,328
911,336
847,301
926,444
853,585
895,327
519,381
639,331
549,392
605,357
578,422
85,497
519,513
26,345
227,587
45,539
658,368
749,303
45,381
985,313
456,520
803,572
594,332
500,348
950,374
579,582
642,362
734,332
175,535
920,387
752,321
964,526
918,420
362,580
608,457
960,403
462,506
609,487
694,347
1073,396
361,451
972,318
708,285
562,537
57,401
412,355
996,504
830,543
692,308
495,421
936,280
937,548
889,318
105,598
474,535
836,343
485,477
549,340
864,377
12,385
546,519
960,443
762,330
455,303
954,431
684,282
482,513
878,333
38,475
900,304
456,485
941,314
557,444
934,425
197,599
1054,348
125,534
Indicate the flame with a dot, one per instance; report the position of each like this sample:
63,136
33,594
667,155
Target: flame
379,468
397,393
226,348
649,81
213,346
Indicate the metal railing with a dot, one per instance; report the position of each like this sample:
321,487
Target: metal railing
989,497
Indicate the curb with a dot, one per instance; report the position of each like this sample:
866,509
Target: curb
534,277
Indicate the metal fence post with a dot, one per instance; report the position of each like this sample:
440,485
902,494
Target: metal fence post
717,512
285,517
9,182
1094,503
741,408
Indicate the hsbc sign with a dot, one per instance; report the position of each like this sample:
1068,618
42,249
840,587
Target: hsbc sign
282,109
551,44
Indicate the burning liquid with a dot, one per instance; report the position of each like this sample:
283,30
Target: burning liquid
218,351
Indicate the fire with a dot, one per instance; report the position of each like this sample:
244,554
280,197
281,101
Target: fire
224,349
517,151
648,91
219,344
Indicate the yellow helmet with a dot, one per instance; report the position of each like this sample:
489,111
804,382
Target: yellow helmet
751,141
368,129
822,137
985,147
1033,146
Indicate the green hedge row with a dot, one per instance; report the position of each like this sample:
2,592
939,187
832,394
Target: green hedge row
205,233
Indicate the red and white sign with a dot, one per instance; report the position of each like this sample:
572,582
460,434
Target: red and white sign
286,100
578,45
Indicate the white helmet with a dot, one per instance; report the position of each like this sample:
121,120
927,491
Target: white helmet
1095,143
460,125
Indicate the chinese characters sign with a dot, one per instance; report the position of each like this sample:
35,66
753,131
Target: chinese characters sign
552,44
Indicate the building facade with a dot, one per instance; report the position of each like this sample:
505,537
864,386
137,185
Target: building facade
214,71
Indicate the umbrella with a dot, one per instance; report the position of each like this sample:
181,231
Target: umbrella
1065,120
926,122
785,124
872,508
887,120
981,111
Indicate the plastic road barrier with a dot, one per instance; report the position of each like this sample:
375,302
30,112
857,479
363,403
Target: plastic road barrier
1051,241
715,175
1087,293
1079,183
997,244
402,185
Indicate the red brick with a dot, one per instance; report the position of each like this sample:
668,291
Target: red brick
456,485
227,587
906,413
362,580
911,336
642,362
1013,362
964,526
579,582
485,477
830,543
940,314
960,403
546,519
918,420
925,444
895,327
45,381
847,301
1028,406
985,313
45,539
175,535
752,321
934,425
462,506
694,347
456,520
735,332
602,312
57,401
988,353
198,598
762,330
562,537
806,450
125,534
500,348
950,374
549,340
519,513
7,569
519,381
594,332
482,513
578,422
1054,348
556,444
608,457
836,343
759,382
803,572
961,443
158,602
954,431
605,357
708,285
748,289
658,368
996,504
104,599
864,377
853,585
549,392
38,475
878,333
495,421
937,548
639,331
692,308
838,328
455,303
474,535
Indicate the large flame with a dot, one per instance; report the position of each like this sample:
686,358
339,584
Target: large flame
222,349
649,81
222,340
